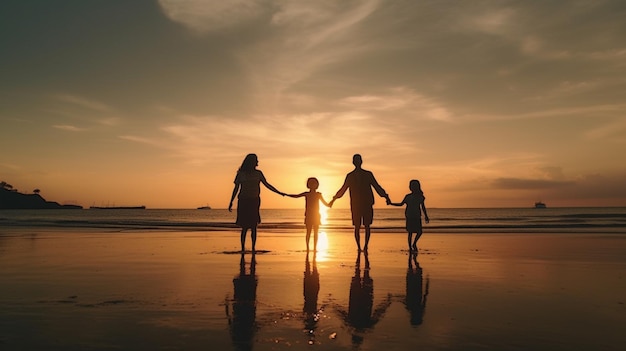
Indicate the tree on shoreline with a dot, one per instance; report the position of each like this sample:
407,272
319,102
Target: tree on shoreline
7,186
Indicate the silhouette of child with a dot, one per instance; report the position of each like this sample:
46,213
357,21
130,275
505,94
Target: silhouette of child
414,206
312,217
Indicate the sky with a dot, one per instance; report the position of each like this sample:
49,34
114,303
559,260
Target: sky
156,103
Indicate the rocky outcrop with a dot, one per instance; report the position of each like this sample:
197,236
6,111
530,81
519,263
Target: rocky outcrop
14,200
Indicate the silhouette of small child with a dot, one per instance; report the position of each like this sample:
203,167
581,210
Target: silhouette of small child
414,206
312,217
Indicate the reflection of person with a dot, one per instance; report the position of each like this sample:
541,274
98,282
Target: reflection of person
361,296
248,185
360,305
415,292
414,202
312,218
242,321
311,285
360,183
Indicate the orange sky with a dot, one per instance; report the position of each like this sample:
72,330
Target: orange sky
488,104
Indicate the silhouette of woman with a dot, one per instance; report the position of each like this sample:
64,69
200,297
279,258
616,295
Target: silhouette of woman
242,322
248,184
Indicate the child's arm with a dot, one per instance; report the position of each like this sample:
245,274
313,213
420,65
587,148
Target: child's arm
295,195
324,201
426,219
395,203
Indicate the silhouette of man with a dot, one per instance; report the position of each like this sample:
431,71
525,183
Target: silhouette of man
360,183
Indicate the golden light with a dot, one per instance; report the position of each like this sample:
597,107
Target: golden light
322,245
322,242
323,214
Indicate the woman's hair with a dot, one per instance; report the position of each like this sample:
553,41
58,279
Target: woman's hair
415,186
312,183
249,163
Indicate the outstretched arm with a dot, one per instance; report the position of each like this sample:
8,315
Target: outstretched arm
295,195
270,186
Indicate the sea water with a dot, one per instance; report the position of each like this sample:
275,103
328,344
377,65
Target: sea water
464,220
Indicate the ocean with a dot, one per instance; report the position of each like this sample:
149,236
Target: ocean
442,220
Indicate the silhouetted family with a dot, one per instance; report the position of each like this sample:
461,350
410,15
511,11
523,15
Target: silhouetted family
359,182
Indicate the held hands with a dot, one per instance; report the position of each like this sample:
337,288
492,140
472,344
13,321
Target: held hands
330,204
388,200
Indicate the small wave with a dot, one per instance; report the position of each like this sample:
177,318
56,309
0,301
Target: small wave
452,220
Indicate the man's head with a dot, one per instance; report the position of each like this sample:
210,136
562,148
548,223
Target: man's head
357,161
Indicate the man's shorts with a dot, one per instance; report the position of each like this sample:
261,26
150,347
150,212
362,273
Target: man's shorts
363,215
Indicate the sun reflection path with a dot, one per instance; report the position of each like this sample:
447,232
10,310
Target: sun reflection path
322,246
323,214
322,238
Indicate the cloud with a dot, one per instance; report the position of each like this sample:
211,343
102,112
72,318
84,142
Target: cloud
10,166
520,183
141,140
84,109
203,139
305,38
212,15
598,109
399,99
600,186
69,128
494,22
614,130
83,102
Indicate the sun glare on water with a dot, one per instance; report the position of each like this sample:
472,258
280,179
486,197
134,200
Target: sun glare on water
323,214
322,237
322,246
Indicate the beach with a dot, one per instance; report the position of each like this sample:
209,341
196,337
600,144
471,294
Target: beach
102,289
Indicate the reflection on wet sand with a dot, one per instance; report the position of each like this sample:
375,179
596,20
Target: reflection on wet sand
311,284
242,321
416,293
361,316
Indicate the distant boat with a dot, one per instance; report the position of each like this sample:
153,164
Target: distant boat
207,207
117,207
540,204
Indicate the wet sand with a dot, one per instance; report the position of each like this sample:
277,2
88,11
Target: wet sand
97,290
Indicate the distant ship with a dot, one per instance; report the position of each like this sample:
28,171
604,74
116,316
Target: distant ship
207,207
117,207
540,204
